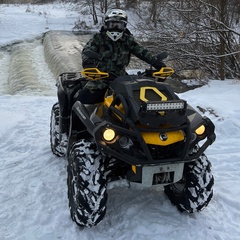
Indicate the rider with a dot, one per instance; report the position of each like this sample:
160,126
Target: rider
114,44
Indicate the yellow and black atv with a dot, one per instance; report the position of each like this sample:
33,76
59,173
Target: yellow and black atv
141,132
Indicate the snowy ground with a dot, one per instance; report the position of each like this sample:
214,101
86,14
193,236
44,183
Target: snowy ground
33,190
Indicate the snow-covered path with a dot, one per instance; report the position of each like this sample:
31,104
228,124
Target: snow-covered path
33,190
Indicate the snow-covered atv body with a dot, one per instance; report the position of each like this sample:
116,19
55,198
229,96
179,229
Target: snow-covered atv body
142,132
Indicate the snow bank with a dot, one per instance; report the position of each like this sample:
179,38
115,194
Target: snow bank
26,21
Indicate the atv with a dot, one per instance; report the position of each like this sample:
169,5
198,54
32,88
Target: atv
142,132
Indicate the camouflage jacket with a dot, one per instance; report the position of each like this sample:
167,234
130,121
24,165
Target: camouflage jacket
115,56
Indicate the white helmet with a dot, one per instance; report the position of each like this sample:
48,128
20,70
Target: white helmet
115,22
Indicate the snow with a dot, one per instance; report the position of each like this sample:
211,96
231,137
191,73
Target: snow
37,19
33,189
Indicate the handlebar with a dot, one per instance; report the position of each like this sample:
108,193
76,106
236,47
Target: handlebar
95,74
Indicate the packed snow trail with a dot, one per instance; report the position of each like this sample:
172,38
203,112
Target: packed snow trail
29,175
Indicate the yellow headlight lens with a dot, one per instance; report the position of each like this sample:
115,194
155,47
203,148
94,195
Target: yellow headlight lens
200,130
109,134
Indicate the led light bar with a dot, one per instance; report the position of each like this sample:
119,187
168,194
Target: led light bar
165,105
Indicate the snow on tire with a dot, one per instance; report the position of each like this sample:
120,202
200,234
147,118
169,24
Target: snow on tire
87,188
195,190
55,132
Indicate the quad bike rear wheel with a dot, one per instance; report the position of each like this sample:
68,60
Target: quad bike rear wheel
194,191
87,188
57,149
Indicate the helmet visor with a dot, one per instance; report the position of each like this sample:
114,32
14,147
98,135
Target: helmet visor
114,25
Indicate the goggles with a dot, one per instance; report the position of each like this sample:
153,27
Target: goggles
116,25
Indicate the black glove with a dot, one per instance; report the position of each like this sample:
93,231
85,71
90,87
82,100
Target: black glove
158,64
89,63
158,60
90,59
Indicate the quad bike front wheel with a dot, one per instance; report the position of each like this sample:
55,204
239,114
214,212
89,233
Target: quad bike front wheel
57,149
87,188
195,190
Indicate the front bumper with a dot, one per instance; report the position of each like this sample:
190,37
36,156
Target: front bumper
129,145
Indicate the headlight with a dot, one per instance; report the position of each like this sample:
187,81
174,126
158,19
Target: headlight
109,134
200,130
